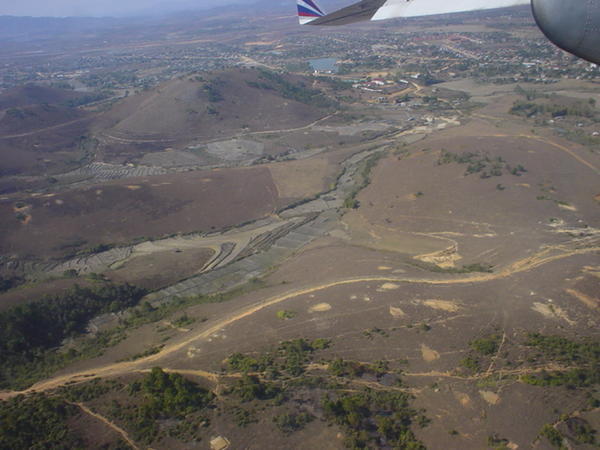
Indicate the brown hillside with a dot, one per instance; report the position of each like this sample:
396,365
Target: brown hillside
119,211
17,121
33,94
210,106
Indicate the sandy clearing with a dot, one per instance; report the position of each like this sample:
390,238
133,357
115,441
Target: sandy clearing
595,271
396,312
429,354
444,305
445,258
490,397
590,302
384,268
388,287
567,207
463,398
321,307
551,312
219,443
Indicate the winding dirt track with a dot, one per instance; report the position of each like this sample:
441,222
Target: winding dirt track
107,422
221,138
545,256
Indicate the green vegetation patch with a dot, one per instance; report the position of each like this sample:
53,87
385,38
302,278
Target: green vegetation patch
497,443
31,333
38,421
364,172
554,436
184,321
369,417
488,345
354,369
481,163
285,314
530,109
298,91
375,418
7,283
159,405
250,387
581,358
292,421
290,357
465,268
159,397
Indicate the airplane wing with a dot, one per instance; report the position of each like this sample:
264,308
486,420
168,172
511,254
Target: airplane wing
388,9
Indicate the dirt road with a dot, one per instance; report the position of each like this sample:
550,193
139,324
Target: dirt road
543,257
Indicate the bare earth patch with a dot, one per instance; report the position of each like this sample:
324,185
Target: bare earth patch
388,287
396,312
444,259
295,179
219,443
444,305
551,312
321,307
463,398
590,302
490,397
429,354
567,207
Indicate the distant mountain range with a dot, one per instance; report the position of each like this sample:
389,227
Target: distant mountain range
113,8
27,28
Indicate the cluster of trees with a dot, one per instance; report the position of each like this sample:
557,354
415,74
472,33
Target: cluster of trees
290,422
163,396
375,418
342,368
583,357
170,395
351,202
111,80
482,347
291,357
214,93
29,332
89,98
19,113
572,378
480,163
7,283
38,421
530,109
42,421
488,345
292,91
558,348
251,388
369,418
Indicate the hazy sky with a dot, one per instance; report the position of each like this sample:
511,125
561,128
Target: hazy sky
63,8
